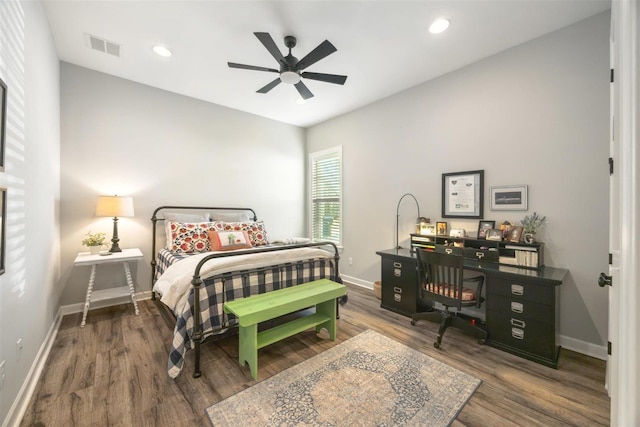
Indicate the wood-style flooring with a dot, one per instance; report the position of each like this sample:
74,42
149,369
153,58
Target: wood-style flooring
113,372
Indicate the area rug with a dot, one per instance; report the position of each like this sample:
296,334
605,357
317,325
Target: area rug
368,380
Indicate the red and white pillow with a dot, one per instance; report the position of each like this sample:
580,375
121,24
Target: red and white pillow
229,240
255,230
193,237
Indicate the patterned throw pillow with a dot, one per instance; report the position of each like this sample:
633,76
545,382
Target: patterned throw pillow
229,240
255,230
189,237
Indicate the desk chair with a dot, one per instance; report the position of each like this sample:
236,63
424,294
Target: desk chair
441,280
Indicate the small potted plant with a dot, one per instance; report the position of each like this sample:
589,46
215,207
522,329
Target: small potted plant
94,242
531,224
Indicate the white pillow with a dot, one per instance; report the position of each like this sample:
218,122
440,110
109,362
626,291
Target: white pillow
232,216
180,217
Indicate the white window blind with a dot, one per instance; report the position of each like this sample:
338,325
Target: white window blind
325,177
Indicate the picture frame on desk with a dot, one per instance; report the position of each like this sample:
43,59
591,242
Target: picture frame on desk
494,234
508,198
463,194
483,227
515,234
442,228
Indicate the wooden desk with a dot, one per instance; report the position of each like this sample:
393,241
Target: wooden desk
86,258
521,305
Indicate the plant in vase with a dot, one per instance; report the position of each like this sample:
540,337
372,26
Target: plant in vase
94,241
531,224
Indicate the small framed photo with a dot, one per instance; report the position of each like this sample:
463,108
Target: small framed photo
429,230
515,234
509,198
441,228
483,227
494,234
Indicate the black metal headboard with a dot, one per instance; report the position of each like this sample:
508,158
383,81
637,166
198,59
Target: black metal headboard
157,216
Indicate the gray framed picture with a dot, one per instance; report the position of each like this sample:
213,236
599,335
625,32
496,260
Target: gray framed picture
3,220
509,198
3,121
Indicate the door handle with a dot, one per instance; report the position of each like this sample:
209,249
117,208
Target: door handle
604,280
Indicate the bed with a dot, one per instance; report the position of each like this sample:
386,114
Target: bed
204,256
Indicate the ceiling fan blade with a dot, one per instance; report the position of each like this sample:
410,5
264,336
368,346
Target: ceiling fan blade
251,67
270,86
304,91
329,78
323,50
268,42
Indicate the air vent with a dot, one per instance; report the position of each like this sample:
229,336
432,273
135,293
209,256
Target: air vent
103,45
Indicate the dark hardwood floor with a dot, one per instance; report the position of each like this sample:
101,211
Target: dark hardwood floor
113,372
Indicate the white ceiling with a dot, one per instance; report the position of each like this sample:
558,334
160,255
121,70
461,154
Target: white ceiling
384,47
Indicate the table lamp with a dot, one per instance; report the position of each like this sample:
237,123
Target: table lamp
115,206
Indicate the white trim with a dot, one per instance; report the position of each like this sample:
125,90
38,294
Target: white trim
79,307
329,152
357,282
624,386
20,404
583,347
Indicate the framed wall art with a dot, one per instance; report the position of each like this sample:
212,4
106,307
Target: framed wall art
3,121
3,220
509,198
463,194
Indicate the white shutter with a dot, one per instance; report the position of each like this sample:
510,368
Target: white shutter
325,173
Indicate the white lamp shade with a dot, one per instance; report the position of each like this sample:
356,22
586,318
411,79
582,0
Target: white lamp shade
116,206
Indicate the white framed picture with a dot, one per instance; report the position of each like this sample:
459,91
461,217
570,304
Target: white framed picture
509,198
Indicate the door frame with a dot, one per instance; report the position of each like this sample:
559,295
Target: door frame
624,385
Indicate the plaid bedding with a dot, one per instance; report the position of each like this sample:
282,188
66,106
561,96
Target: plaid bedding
165,259
229,286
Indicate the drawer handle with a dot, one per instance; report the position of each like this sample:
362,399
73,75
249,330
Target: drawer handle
448,251
517,289
397,290
517,307
519,323
517,333
397,297
397,264
480,255
397,272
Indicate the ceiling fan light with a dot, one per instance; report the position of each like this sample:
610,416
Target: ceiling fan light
290,77
439,25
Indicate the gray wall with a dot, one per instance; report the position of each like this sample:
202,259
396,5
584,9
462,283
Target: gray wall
537,114
29,291
121,137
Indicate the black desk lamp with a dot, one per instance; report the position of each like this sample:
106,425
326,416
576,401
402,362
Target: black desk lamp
419,220
115,206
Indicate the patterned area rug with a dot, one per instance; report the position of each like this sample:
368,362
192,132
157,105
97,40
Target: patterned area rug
368,380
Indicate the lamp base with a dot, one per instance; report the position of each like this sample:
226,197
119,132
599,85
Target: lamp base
115,248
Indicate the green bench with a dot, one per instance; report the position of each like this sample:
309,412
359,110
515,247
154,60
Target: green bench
252,310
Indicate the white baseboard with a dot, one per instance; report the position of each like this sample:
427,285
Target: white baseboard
583,347
357,282
20,404
79,307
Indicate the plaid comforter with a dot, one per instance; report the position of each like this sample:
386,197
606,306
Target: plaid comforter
239,284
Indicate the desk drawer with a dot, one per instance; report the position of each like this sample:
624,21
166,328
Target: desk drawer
516,306
451,250
399,285
522,290
521,333
481,254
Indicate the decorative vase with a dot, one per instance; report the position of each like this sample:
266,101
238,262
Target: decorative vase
95,250
529,237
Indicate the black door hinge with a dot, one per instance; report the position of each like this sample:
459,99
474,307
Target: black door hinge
610,259
609,348
612,75
610,165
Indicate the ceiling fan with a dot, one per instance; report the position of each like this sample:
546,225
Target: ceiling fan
291,69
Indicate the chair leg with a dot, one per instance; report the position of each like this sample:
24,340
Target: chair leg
445,322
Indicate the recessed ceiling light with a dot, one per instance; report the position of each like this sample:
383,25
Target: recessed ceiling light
162,51
439,25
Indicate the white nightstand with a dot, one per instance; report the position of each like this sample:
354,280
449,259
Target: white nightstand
85,258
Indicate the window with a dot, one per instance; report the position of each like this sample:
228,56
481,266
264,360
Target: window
325,178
